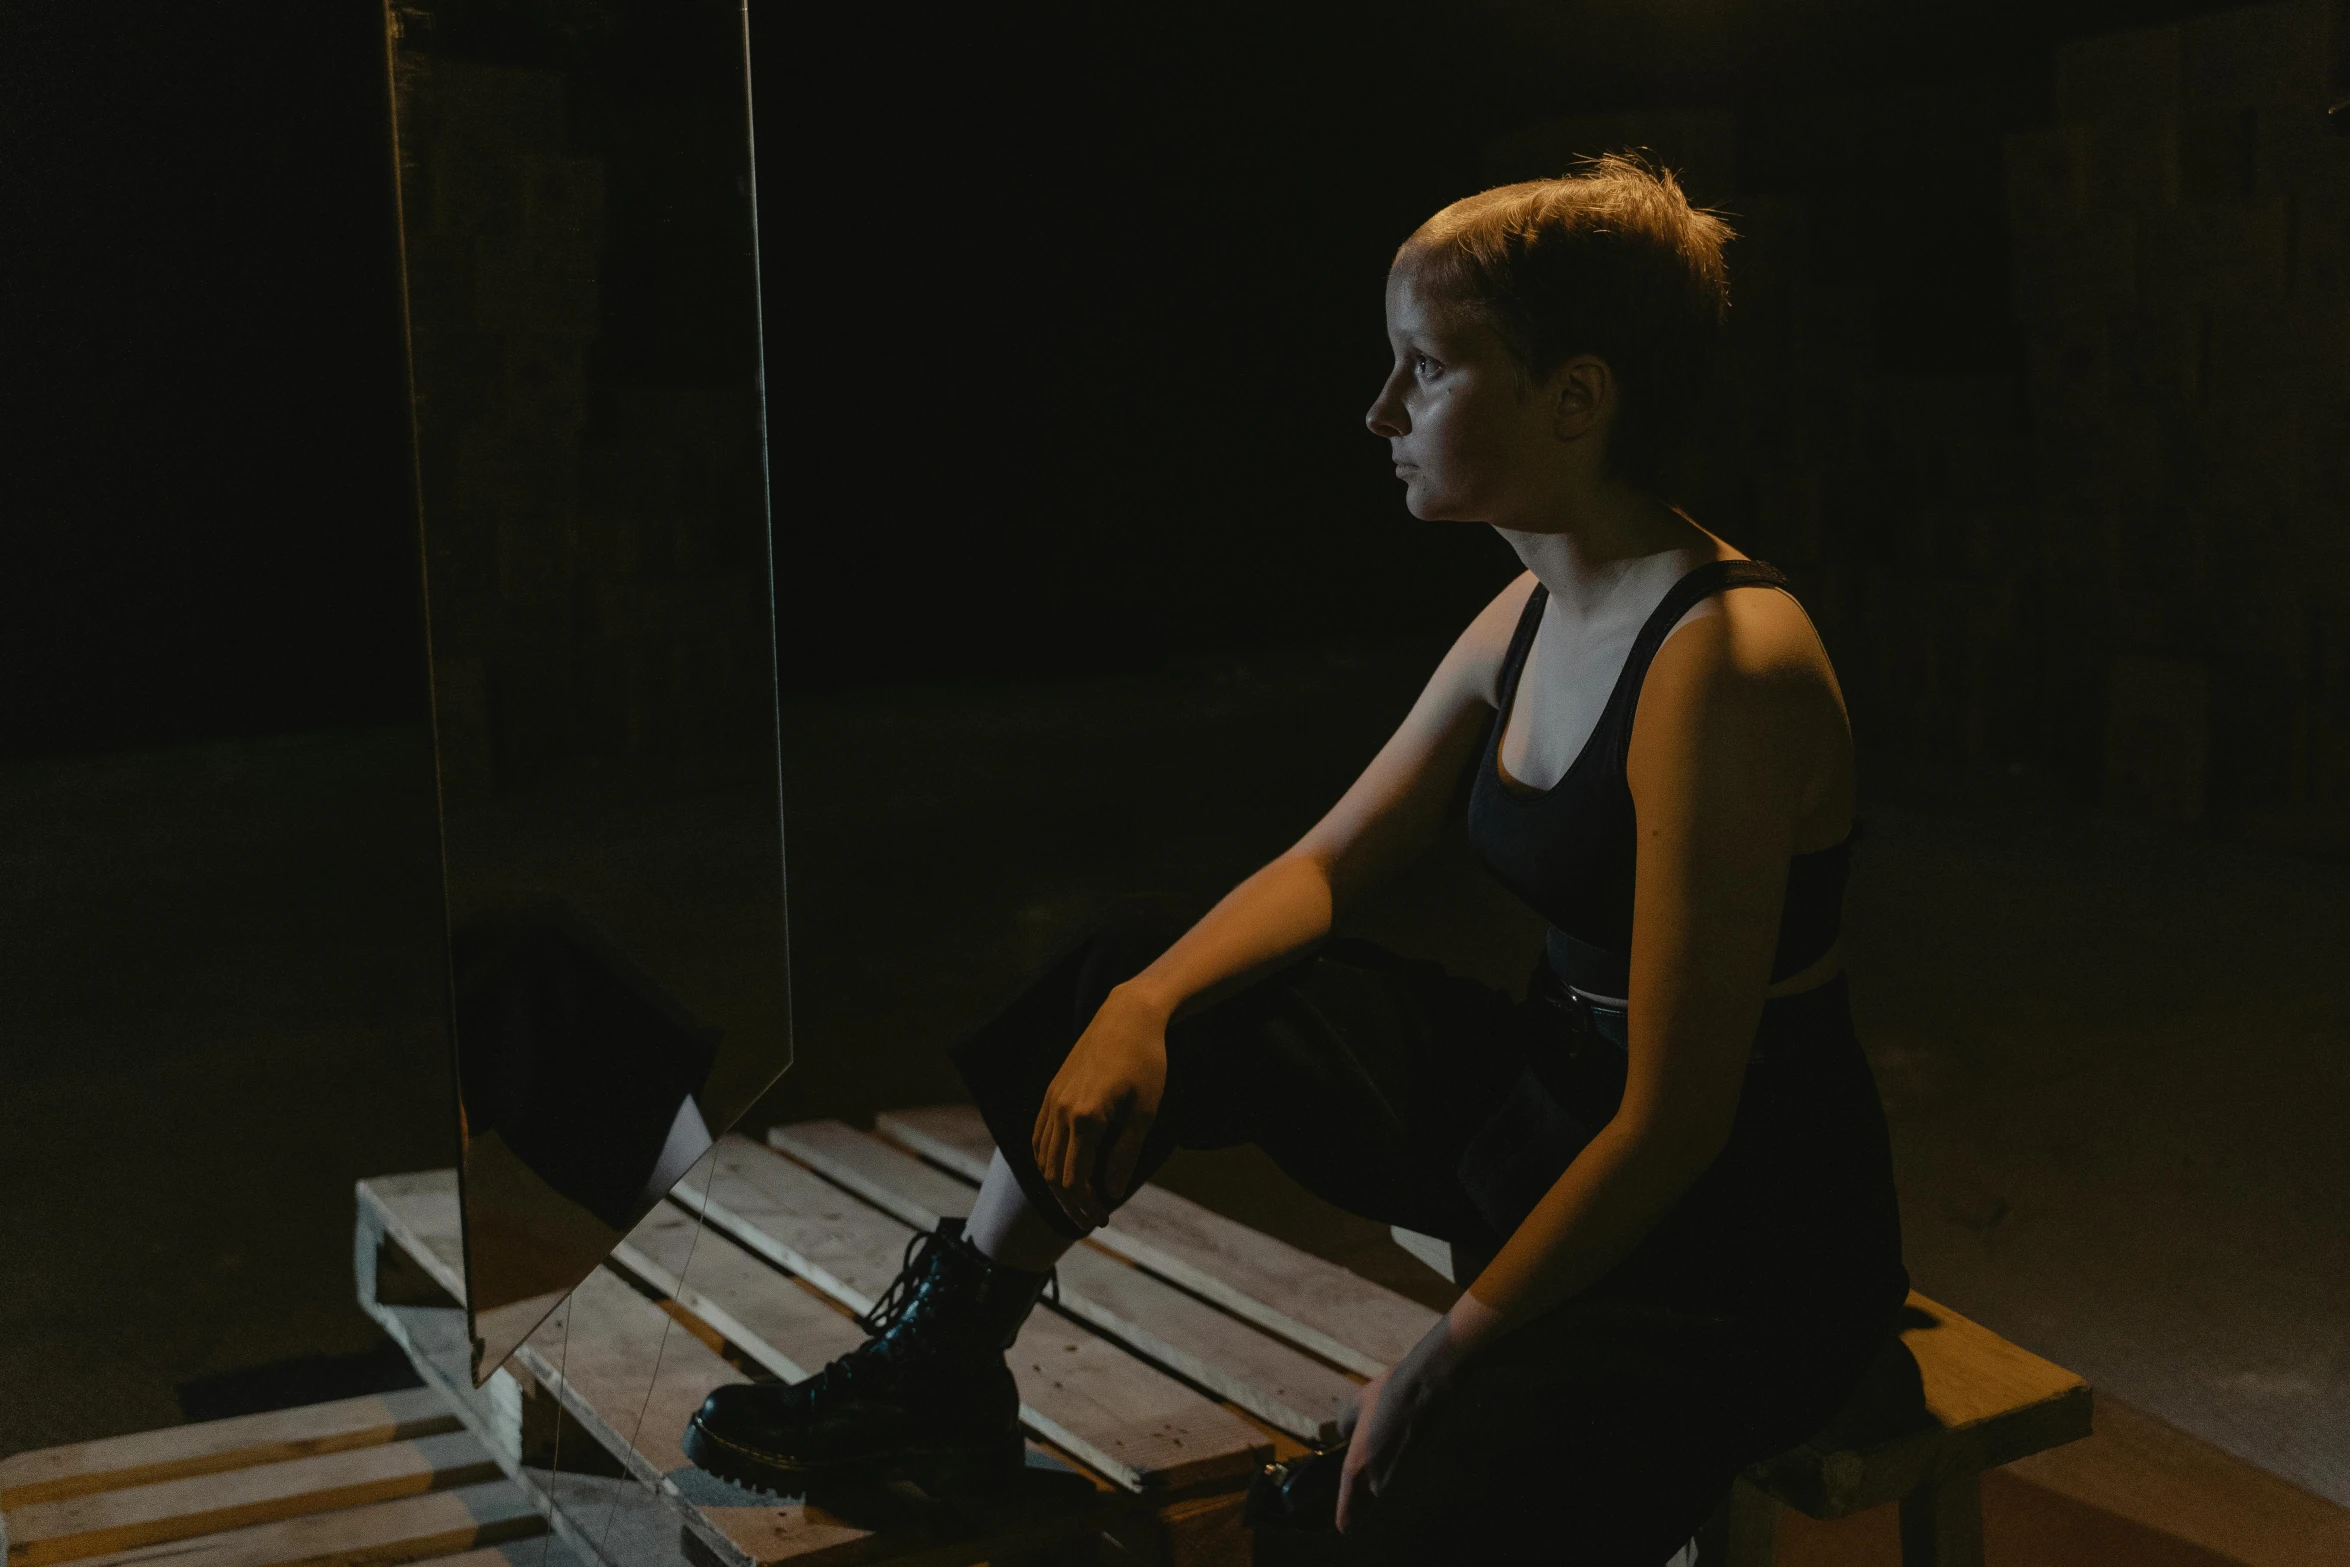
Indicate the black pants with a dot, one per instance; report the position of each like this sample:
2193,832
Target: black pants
1605,1432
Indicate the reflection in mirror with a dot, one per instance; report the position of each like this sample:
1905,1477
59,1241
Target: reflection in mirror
580,262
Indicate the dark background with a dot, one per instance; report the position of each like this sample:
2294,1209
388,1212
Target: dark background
1073,312
1073,315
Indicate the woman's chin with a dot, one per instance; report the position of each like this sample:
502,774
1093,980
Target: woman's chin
1427,506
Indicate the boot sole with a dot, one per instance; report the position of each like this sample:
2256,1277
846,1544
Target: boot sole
937,1470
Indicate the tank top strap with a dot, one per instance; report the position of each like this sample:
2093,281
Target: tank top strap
1521,643
1702,583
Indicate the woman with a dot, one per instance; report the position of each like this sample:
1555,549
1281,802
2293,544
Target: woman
1665,1171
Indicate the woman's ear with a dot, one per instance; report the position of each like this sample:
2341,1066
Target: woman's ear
1583,394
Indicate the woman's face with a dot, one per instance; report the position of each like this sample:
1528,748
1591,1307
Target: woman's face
1471,441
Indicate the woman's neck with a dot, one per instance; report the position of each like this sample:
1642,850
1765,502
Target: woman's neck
1584,563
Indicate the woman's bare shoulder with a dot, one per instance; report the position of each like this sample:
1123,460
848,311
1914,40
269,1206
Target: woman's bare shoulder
1750,688
1746,636
1477,655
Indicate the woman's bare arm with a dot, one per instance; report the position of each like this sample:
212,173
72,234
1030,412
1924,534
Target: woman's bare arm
1107,1092
1738,737
1389,817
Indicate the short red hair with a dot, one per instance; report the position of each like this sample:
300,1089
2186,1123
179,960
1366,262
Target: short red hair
1610,260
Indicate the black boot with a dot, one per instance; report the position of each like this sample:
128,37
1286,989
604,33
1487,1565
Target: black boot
928,1398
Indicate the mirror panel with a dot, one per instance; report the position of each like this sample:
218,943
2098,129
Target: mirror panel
580,261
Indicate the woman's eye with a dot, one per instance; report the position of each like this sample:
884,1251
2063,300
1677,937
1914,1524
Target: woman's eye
1423,366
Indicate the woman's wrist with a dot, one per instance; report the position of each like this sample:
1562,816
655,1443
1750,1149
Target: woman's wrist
1138,998
1469,1326
1451,1339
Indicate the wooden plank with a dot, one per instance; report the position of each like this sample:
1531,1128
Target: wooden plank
413,1529
419,1212
622,1366
884,1176
1973,1376
1317,1305
1436,1254
771,1317
605,1522
1135,1424
85,1526
784,1325
606,1374
212,1446
1278,1384
633,1379
1985,1403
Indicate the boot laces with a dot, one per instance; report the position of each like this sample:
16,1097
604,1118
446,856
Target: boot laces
883,1314
882,1348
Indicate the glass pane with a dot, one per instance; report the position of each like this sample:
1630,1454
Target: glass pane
583,325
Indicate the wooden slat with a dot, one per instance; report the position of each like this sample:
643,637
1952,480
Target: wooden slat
1135,1424
615,1339
627,1373
783,1324
625,1368
596,1354
809,1537
85,1526
1986,1403
212,1446
771,1317
1278,1384
599,1521
1317,1305
419,1211
1973,1376
1436,1254
414,1529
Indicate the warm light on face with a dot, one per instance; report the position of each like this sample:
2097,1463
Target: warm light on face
1466,433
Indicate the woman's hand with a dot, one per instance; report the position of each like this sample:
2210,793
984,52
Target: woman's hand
1390,1404
1369,1435
1100,1106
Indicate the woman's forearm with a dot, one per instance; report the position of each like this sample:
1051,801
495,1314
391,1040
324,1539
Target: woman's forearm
1281,909
1613,1194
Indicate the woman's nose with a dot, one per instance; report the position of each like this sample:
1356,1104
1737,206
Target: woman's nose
1386,418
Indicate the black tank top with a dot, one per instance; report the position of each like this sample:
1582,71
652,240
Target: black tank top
1568,850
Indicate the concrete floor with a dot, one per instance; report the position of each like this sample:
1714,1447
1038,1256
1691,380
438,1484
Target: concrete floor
2114,1057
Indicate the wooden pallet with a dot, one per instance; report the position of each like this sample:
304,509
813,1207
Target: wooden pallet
386,1479
1184,1351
